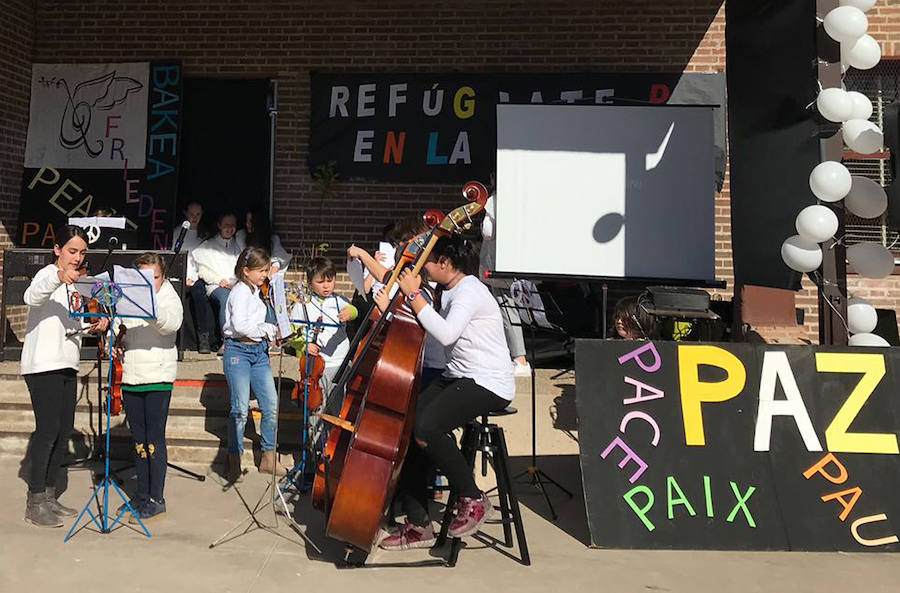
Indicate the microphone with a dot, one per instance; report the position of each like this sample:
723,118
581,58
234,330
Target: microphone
180,240
111,244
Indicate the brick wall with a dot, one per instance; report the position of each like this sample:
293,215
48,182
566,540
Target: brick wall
284,39
17,35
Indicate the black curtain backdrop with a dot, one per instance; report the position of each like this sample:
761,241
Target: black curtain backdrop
225,147
773,137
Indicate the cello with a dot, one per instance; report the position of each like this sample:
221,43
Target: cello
363,454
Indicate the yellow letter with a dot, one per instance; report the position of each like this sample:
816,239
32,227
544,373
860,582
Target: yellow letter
837,438
464,107
694,392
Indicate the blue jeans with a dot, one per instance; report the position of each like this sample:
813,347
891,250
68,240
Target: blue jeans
220,297
246,364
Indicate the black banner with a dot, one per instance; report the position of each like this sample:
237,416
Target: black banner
773,135
145,197
738,446
442,127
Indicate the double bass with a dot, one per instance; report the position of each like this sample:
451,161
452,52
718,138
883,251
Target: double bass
363,454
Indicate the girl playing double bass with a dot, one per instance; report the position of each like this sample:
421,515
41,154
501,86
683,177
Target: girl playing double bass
478,379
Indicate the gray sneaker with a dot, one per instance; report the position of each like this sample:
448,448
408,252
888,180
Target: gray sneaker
38,511
59,509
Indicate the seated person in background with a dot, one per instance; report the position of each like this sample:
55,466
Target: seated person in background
200,314
216,258
631,321
257,232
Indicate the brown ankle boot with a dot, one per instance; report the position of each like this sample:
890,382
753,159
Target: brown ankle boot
268,464
233,472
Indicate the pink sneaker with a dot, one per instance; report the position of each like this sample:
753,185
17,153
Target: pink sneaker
409,536
471,513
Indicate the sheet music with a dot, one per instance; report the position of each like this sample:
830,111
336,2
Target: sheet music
529,303
355,271
138,296
107,222
280,302
85,284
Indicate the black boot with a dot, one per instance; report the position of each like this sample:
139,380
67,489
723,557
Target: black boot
38,511
203,344
59,509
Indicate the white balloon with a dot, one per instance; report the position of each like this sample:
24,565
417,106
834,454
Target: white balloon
867,199
868,340
862,106
816,223
830,181
846,23
862,136
862,54
870,260
861,316
863,5
801,254
834,104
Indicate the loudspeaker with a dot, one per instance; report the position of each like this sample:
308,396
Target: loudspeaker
887,326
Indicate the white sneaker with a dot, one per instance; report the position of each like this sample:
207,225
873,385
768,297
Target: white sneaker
522,370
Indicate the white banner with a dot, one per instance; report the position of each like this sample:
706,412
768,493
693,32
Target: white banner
88,116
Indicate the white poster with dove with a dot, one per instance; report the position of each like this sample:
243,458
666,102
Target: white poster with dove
88,116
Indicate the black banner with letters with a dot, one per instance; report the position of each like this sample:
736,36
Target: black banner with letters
144,196
739,446
441,128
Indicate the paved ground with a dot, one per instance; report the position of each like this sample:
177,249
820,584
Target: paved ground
177,556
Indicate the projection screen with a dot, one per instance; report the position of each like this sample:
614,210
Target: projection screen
606,191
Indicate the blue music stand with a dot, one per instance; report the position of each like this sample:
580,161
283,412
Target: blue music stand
108,295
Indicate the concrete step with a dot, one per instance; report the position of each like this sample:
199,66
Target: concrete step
199,458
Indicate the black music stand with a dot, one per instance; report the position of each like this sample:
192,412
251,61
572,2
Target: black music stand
528,305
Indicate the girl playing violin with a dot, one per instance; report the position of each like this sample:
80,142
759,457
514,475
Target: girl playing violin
478,379
246,360
149,364
49,366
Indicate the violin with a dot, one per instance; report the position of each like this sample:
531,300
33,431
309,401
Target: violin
115,383
310,368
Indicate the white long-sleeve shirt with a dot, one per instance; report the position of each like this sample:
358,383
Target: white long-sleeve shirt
245,315
150,352
470,328
215,259
47,347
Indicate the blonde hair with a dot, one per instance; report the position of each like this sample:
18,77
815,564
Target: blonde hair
151,259
253,258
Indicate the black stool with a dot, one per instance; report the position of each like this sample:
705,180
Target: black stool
482,436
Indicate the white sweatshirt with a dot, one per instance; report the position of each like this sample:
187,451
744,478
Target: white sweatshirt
245,315
215,259
150,352
47,348
470,328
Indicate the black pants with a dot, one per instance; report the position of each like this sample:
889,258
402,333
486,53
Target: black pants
147,412
444,405
53,400
204,317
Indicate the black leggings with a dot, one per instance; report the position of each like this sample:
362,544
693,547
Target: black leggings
444,405
53,400
147,412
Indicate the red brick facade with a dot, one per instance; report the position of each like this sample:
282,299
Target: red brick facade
285,40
